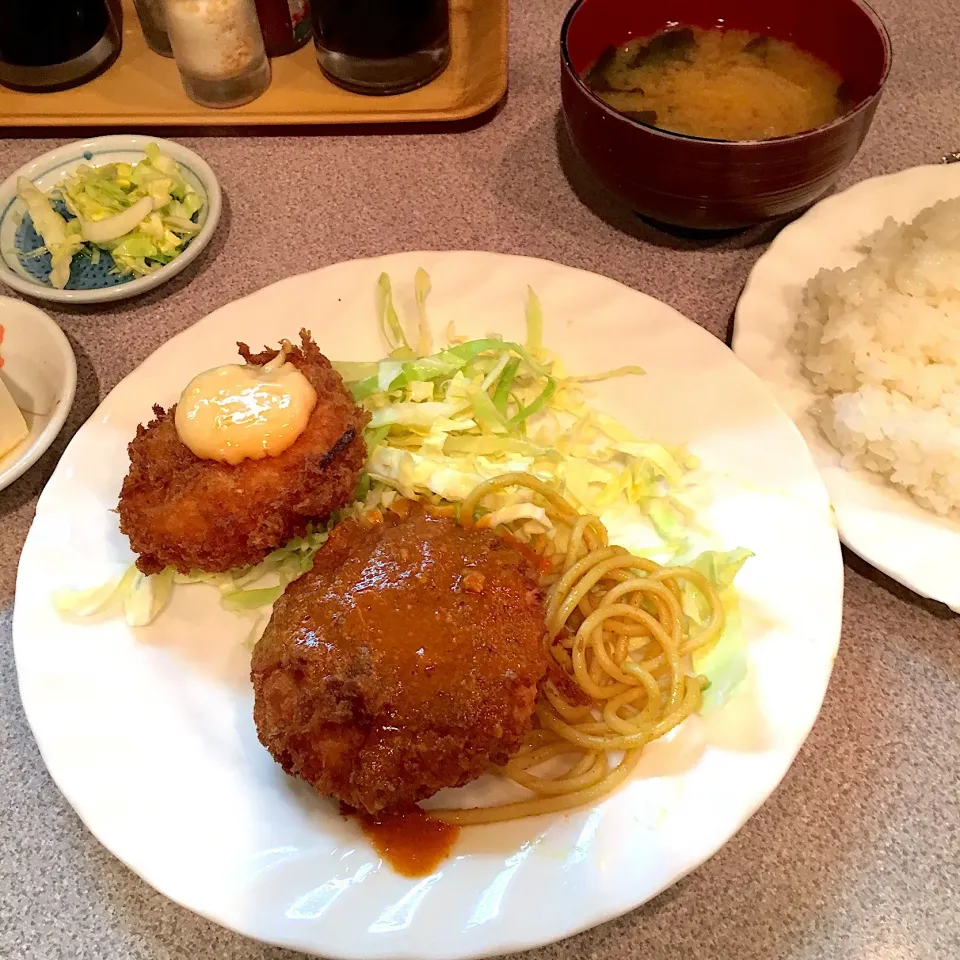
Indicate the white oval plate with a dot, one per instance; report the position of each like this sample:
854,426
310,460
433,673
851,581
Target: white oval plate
916,547
149,734
40,372
50,168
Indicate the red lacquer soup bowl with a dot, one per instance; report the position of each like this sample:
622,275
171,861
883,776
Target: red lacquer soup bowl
722,184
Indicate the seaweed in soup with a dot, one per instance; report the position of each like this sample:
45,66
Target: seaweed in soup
845,96
674,44
597,76
758,47
642,116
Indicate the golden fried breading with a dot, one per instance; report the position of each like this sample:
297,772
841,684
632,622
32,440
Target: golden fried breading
193,514
406,661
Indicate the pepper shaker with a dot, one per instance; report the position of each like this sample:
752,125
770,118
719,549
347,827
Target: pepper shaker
219,50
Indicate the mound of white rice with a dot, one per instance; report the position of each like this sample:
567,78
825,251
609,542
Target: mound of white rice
881,343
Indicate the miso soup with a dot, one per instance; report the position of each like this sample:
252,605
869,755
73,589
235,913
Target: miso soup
718,84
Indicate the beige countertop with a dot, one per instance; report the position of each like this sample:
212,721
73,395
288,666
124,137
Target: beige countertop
857,854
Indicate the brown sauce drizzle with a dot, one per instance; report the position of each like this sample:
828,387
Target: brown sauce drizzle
413,843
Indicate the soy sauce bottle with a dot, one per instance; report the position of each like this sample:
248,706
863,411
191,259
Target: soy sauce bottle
381,46
55,44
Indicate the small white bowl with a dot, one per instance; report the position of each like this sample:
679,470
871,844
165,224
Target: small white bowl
40,372
49,168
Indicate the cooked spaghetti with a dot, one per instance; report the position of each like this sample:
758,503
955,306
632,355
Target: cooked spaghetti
618,640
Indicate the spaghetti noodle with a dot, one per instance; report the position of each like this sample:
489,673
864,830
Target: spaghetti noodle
617,641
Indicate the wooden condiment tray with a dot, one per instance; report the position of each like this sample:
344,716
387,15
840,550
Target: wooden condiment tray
143,89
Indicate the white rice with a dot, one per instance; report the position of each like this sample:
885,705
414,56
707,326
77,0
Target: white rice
881,344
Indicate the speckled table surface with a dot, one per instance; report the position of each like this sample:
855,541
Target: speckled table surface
857,854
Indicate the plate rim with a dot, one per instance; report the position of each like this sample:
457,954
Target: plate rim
70,152
516,942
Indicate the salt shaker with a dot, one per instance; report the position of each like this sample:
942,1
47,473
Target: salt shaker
219,50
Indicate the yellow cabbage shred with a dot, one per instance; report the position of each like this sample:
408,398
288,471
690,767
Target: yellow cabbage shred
443,423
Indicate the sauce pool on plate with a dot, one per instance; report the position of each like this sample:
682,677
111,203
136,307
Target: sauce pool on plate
412,843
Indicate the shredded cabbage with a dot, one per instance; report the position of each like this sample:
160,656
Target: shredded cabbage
443,422
60,239
100,202
725,663
143,598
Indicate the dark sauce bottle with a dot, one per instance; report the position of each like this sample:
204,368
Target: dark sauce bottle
285,25
382,46
55,44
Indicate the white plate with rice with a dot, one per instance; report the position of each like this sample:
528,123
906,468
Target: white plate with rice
872,379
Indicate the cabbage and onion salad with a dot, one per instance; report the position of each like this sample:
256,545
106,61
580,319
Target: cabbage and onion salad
142,215
443,421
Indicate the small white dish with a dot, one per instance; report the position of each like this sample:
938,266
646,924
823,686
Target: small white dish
48,169
40,372
877,520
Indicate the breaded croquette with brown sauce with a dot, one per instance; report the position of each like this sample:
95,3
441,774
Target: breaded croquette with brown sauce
407,660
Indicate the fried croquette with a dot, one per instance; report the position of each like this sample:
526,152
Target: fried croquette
193,514
406,661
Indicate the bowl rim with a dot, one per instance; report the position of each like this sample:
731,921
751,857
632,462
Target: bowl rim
865,104
51,430
64,154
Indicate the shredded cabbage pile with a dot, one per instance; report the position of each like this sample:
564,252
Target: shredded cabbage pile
444,421
142,598
142,215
